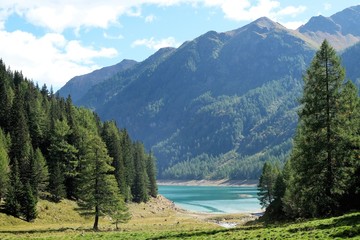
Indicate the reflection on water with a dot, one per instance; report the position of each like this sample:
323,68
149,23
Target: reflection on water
213,199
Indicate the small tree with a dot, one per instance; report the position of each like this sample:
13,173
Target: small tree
98,187
118,211
266,184
28,203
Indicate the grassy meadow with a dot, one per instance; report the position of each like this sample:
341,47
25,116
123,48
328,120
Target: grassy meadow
160,219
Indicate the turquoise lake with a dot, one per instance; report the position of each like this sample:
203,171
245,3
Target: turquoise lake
213,199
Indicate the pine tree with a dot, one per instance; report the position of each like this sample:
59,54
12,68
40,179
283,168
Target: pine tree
266,184
4,165
14,192
98,187
6,98
28,203
320,175
21,147
349,146
151,173
127,157
118,210
62,155
40,173
139,188
56,185
111,136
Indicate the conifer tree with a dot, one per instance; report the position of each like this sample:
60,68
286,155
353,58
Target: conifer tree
62,155
4,165
118,211
56,183
128,160
28,203
98,188
320,175
21,147
139,188
111,136
14,192
151,173
40,173
266,184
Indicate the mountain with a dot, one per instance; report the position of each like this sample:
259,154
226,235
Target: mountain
342,29
218,106
78,86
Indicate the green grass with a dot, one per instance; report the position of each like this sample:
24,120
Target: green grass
153,221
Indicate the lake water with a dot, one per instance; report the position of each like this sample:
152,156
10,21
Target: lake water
213,199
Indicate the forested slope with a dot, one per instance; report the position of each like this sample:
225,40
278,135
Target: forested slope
50,148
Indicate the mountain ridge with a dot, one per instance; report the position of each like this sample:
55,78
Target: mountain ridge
217,106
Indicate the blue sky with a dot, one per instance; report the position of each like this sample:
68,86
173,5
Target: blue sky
52,41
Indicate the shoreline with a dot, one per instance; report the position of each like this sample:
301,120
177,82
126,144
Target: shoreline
222,182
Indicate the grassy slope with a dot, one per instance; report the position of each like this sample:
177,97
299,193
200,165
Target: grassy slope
159,219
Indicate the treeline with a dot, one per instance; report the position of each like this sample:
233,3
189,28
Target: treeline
50,148
322,175
230,165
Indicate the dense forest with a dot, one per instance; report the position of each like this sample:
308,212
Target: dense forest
322,175
51,149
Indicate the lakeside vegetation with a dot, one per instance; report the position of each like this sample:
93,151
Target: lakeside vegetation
159,219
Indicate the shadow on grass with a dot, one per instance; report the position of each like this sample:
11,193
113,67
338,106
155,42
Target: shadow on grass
208,233
348,220
63,229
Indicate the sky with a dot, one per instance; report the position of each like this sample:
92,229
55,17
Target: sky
53,41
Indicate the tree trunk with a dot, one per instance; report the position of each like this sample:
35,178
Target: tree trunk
96,223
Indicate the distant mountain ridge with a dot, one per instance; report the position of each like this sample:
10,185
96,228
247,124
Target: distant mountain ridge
220,105
78,86
342,29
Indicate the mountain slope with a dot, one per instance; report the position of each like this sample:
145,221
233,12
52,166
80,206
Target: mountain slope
78,86
222,104
342,29
213,97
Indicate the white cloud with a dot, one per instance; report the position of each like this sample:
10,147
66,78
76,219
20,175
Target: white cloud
151,43
246,10
58,15
293,25
112,37
150,18
49,59
291,11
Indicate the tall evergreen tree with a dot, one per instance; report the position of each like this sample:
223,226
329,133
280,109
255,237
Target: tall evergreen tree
128,159
28,203
40,173
139,188
14,193
63,155
111,136
320,176
21,147
151,173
